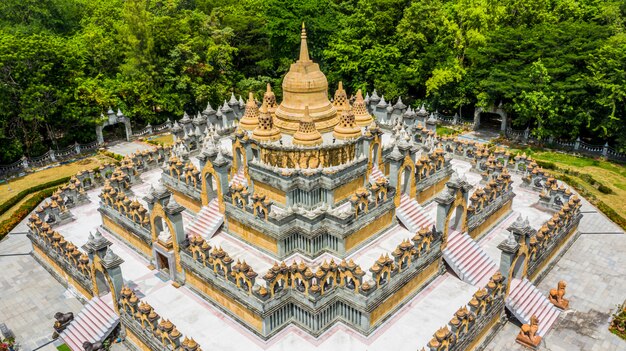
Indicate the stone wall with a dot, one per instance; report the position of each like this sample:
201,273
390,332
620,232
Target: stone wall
147,330
474,324
61,257
312,297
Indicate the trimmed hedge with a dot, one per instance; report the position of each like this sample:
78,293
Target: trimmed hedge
604,208
27,207
112,155
22,194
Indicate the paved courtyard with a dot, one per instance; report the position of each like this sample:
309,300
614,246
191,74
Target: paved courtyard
29,295
595,271
594,268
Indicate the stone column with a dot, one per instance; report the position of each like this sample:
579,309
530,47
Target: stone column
129,131
99,135
508,248
477,112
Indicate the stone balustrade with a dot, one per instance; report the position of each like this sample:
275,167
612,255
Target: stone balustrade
307,288
553,234
62,255
146,328
469,323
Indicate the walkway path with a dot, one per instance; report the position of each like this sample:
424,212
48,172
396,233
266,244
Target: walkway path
29,295
594,269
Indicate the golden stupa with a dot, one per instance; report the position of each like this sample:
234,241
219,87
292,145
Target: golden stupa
305,85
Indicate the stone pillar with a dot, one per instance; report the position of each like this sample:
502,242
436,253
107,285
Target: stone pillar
77,148
477,112
508,248
605,150
51,155
99,135
129,131
112,263
577,144
395,161
24,162
504,122
526,134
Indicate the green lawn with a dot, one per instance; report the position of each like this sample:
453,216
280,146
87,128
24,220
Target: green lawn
443,130
602,172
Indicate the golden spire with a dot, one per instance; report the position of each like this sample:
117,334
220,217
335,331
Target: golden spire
265,129
304,49
307,135
250,117
361,116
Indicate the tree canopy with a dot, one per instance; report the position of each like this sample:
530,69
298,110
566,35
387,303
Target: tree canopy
557,66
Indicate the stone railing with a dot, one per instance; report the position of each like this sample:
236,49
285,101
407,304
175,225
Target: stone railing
315,297
453,120
470,322
576,146
183,177
147,328
486,201
552,234
64,254
50,157
340,221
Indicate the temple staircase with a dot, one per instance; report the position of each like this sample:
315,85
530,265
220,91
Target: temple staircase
412,214
375,174
93,323
525,300
239,178
467,259
208,221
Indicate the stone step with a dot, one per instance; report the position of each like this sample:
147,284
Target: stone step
525,300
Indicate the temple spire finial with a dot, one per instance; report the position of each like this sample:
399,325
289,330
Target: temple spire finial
304,49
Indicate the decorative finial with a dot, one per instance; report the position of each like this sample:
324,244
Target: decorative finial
304,49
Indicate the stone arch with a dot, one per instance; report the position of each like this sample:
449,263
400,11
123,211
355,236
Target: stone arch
495,110
158,212
111,120
206,171
239,160
98,272
457,207
407,166
519,265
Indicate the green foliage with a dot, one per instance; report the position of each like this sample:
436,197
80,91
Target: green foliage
27,207
112,155
557,66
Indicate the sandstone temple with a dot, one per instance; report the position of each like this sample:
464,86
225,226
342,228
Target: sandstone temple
323,220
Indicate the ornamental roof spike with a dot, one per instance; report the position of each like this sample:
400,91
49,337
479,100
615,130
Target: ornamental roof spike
233,99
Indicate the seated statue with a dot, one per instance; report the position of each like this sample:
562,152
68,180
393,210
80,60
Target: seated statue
96,346
557,296
62,321
528,334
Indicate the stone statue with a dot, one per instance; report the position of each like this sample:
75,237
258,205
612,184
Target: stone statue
96,346
528,334
62,321
557,296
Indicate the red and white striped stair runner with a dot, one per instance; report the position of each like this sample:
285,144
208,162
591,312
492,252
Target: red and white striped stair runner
375,174
412,214
468,260
207,221
525,300
94,323
239,178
